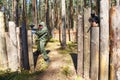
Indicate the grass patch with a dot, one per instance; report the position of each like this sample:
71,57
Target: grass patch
24,75
53,40
79,78
66,70
71,48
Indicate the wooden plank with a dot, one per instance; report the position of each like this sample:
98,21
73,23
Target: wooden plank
86,48
115,41
80,46
18,46
30,51
94,48
104,39
12,47
3,53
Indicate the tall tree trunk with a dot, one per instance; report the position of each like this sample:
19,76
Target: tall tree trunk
104,39
14,4
25,62
17,14
70,18
47,16
63,44
34,12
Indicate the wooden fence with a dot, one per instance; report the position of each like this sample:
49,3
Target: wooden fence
99,49
11,55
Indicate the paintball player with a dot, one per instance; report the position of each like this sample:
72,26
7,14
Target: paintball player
94,20
42,34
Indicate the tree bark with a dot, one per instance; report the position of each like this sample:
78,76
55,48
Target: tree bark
34,13
25,62
63,25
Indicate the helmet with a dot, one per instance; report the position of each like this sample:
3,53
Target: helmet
42,24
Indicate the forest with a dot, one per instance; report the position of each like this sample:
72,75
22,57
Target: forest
83,40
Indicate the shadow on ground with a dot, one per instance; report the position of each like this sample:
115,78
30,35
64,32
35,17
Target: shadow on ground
74,58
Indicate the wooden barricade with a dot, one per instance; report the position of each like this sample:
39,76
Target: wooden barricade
3,54
94,48
30,51
86,42
80,46
12,53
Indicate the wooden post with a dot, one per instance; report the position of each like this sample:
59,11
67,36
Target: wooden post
12,47
3,54
114,43
94,53
30,52
86,48
80,46
104,39
18,46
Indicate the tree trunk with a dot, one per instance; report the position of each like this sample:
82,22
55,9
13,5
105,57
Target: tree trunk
104,39
34,13
63,25
47,16
17,14
25,62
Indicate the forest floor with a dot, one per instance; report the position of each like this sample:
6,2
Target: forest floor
61,66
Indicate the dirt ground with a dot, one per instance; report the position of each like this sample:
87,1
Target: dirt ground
61,65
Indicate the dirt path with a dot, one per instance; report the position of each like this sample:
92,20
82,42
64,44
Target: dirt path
61,65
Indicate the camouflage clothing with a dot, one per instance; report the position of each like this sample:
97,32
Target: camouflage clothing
41,40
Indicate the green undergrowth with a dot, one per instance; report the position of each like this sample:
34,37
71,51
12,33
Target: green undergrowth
71,48
23,75
79,78
66,70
